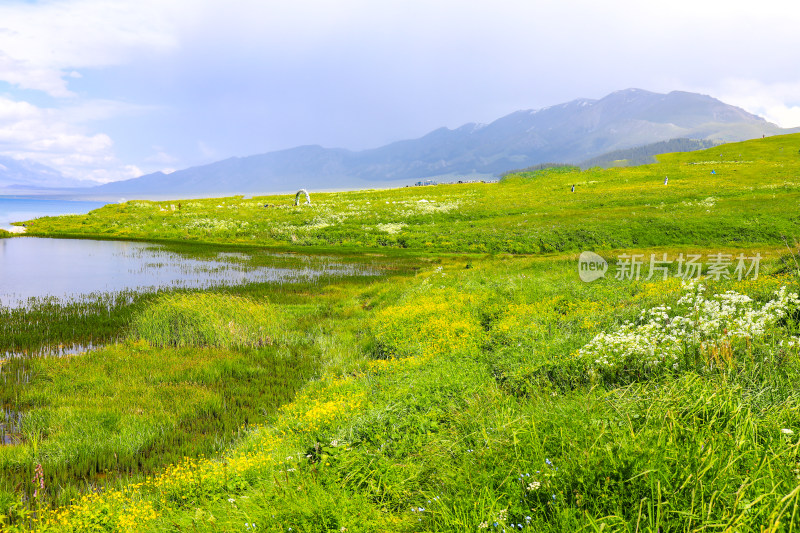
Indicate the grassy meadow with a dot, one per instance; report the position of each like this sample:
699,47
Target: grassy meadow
477,384
736,194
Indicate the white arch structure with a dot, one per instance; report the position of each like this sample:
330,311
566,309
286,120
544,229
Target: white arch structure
297,197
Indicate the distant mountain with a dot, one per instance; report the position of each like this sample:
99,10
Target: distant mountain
305,166
568,133
23,174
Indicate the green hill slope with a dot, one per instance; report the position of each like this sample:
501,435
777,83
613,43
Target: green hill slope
730,195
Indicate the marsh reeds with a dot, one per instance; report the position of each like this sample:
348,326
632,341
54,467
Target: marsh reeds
110,388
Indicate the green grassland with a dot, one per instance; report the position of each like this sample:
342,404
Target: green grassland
476,385
751,198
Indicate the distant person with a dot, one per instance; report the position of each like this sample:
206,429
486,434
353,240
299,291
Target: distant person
666,179
573,188
712,171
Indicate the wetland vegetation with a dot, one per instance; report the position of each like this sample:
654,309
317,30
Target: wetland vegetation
476,384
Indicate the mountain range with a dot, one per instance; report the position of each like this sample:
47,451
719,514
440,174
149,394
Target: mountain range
25,174
572,132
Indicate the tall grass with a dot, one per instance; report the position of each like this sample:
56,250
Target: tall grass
207,320
426,431
190,371
52,327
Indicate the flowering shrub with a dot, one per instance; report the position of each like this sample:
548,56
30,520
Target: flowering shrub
391,229
703,331
437,321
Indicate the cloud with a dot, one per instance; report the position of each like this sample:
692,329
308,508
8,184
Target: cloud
27,75
162,159
44,43
52,137
119,172
206,151
43,47
778,102
161,156
251,75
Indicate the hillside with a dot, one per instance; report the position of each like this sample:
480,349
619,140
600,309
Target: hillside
477,383
643,155
567,133
639,155
528,213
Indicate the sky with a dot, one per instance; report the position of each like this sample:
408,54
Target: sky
105,91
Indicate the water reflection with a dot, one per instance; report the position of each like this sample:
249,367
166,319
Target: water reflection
65,269
10,426
51,350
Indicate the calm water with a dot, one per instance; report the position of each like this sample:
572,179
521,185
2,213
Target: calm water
10,426
68,268
22,209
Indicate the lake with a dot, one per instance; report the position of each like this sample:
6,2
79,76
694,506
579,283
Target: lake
70,269
21,209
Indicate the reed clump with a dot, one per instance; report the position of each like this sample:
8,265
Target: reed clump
205,319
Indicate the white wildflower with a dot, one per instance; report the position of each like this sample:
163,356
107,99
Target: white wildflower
660,336
391,229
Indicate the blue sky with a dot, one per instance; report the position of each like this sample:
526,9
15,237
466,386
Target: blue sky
105,90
